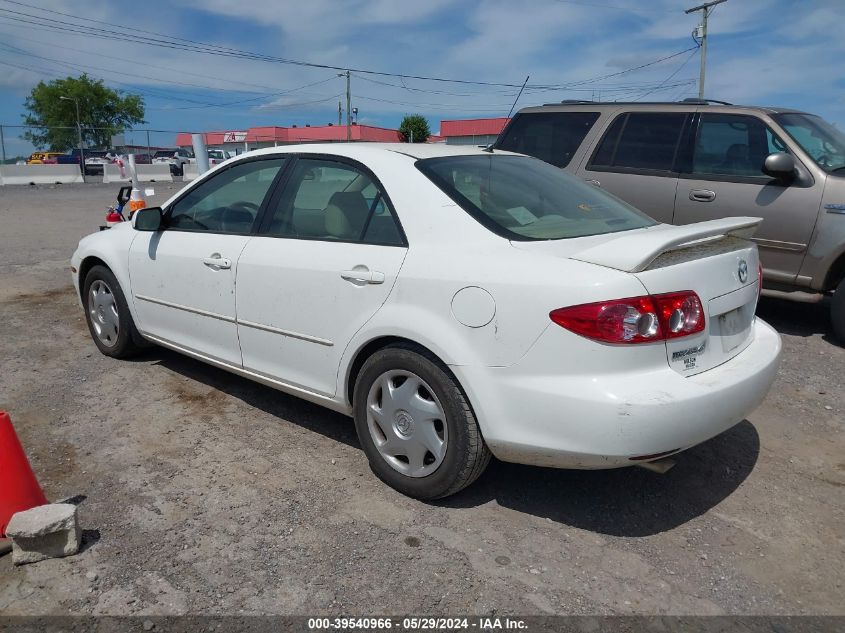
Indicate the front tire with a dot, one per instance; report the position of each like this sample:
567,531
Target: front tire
107,314
415,424
837,312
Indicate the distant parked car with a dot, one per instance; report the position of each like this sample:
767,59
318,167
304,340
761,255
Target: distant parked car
70,158
701,160
94,161
177,159
43,158
217,156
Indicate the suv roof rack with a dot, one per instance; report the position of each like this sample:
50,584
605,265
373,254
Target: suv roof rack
570,102
703,101
688,101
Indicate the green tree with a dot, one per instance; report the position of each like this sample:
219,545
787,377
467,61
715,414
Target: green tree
414,128
53,119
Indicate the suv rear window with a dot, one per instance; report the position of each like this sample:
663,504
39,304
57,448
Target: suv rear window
641,140
524,199
550,136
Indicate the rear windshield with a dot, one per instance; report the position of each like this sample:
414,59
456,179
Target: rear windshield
163,154
550,136
523,198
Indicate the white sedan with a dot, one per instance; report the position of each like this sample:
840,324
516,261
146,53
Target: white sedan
456,302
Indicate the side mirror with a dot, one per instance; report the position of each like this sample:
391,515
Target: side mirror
780,165
148,219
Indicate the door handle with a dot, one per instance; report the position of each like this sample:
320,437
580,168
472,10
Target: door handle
216,261
593,181
363,275
702,195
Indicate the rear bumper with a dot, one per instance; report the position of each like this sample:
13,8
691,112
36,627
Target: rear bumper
590,420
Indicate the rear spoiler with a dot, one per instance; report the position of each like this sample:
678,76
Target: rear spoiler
635,251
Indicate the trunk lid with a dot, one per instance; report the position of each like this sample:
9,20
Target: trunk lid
723,273
714,259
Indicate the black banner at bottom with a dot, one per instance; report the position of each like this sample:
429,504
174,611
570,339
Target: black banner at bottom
427,624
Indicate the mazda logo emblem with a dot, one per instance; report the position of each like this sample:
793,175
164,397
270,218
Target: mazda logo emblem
743,271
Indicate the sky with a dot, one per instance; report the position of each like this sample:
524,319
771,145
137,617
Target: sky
763,52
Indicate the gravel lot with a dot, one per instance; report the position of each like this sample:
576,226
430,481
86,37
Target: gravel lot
208,494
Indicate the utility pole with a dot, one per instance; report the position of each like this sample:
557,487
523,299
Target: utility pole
348,75
339,114
348,108
705,9
78,132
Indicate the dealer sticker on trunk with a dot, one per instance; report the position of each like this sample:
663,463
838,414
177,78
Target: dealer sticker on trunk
689,356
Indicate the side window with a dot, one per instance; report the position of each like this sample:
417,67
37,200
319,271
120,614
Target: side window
227,202
641,140
328,200
553,137
733,145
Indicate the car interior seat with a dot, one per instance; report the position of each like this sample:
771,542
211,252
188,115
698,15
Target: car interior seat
736,160
346,214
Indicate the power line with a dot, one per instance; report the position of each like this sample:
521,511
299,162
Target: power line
665,81
178,43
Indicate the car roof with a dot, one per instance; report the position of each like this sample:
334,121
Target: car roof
361,151
651,106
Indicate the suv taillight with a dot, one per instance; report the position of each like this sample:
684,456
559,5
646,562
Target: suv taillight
635,320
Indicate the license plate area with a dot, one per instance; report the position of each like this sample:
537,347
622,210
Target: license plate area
735,326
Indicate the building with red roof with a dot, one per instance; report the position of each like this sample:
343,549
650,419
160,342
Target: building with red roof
268,136
472,131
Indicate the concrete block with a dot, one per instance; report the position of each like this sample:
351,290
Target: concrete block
39,174
189,172
49,531
111,173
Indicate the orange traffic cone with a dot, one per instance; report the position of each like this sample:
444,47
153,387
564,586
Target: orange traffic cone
19,489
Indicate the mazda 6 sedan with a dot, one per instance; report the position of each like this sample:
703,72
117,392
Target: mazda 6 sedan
458,303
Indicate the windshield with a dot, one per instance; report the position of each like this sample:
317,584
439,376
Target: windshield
823,142
163,154
524,198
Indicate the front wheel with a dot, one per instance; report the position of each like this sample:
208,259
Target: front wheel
108,316
417,429
837,312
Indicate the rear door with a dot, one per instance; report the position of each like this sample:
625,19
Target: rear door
635,160
724,178
325,261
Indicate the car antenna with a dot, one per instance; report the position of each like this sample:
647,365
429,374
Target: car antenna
489,148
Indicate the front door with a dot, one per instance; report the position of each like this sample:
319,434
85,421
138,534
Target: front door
725,178
183,277
325,261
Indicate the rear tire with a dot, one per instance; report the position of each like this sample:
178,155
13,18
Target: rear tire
423,440
107,315
837,312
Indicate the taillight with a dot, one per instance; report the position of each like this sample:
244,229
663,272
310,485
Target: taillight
759,279
636,319
681,313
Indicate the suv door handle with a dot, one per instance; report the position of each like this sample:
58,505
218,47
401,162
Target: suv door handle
363,275
702,195
216,261
593,181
